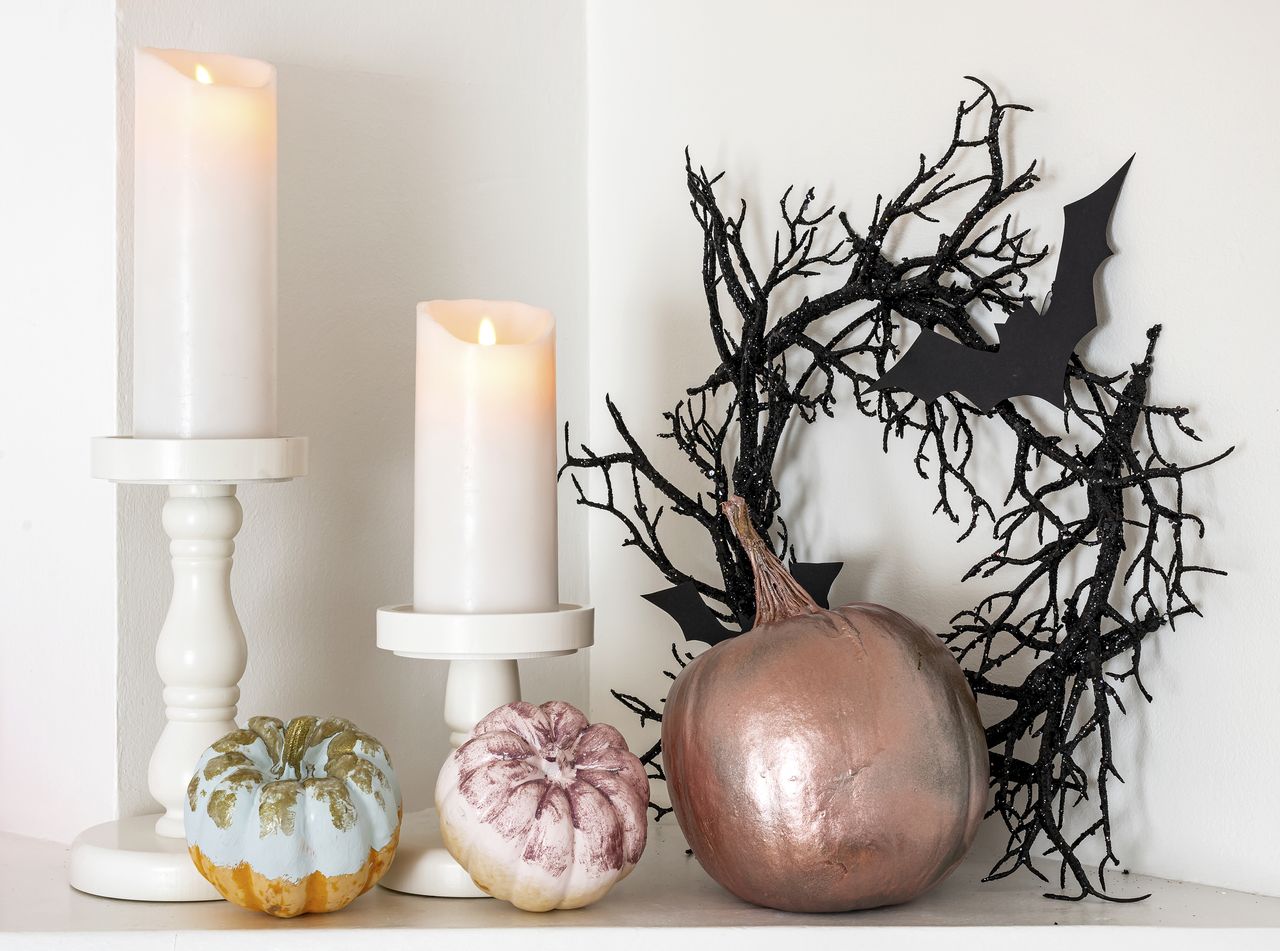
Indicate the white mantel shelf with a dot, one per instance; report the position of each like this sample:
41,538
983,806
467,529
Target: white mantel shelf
668,902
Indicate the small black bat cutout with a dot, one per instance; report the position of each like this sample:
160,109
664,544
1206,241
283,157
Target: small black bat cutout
1034,348
698,622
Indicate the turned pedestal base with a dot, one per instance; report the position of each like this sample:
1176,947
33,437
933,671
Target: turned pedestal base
200,653
128,859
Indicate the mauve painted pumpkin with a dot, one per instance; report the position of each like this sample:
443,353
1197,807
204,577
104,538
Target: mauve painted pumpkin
293,819
824,760
542,808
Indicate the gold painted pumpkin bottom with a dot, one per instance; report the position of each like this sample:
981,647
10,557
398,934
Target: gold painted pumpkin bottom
318,892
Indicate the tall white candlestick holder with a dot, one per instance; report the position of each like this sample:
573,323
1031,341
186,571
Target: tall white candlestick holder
482,650
200,653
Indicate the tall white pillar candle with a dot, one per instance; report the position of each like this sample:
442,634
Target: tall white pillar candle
485,459
204,275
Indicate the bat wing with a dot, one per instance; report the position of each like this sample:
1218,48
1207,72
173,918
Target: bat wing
1034,348
935,364
690,612
1084,234
697,622
817,577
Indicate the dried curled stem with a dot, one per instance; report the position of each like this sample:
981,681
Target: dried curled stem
778,595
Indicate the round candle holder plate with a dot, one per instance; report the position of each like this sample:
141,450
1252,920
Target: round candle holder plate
187,461
429,636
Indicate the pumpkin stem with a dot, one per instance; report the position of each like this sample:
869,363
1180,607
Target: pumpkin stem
296,735
778,595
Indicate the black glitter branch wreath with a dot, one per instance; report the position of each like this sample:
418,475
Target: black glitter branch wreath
1086,590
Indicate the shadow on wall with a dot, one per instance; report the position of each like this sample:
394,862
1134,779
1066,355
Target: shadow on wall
355,204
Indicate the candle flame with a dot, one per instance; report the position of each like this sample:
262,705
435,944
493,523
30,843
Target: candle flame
488,335
203,75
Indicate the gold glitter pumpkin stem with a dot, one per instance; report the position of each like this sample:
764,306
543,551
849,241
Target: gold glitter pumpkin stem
295,744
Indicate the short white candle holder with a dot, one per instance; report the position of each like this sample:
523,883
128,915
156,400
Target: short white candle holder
200,653
482,650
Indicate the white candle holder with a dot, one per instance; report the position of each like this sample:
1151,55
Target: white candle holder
200,653
482,650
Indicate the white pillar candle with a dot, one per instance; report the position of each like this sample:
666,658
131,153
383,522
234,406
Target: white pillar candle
204,275
485,459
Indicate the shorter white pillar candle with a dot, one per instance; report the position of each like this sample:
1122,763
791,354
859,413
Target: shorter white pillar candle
204,274
485,459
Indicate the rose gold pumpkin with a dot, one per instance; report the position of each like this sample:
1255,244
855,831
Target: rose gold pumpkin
828,761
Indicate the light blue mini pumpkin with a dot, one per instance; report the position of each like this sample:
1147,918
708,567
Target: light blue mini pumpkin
292,819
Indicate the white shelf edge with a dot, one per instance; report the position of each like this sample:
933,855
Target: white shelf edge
668,893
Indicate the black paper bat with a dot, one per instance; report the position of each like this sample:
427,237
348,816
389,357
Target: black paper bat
1034,348
698,623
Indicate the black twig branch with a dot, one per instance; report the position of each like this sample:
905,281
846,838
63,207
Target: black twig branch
1086,589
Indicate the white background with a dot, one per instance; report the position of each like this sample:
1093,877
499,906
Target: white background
534,150
57,388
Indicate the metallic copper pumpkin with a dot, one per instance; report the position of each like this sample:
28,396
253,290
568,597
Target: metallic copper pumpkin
824,760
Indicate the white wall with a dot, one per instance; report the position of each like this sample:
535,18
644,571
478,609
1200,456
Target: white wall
57,388
427,149
844,97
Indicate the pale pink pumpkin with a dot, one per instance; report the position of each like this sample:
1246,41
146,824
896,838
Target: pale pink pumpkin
542,808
